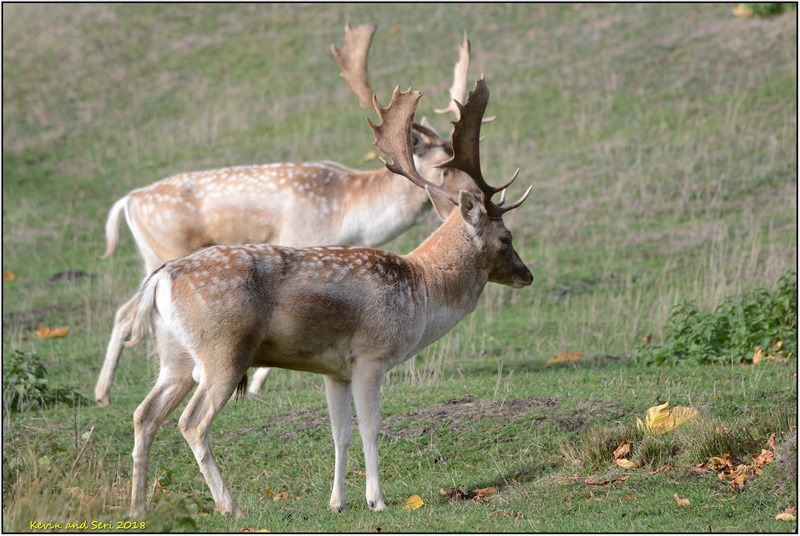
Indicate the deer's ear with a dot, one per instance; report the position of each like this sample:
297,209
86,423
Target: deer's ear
471,210
442,203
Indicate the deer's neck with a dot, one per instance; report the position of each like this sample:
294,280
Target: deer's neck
380,207
450,266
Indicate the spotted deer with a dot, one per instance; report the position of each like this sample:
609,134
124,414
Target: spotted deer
348,313
292,204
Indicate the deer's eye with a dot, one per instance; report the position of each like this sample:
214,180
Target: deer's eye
506,241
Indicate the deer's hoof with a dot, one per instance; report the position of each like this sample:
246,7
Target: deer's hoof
376,506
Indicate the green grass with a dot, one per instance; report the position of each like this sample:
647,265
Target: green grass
662,144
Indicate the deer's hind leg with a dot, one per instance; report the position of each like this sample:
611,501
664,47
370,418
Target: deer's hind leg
173,384
121,330
219,373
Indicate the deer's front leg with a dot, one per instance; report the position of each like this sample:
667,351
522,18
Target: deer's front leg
366,393
339,400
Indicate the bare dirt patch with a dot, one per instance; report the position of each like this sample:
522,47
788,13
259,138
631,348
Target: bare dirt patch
451,415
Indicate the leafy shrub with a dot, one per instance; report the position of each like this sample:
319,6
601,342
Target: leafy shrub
26,387
731,333
767,9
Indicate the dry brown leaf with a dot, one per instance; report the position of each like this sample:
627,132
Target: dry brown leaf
623,450
44,332
459,493
9,276
413,502
282,496
628,496
484,492
771,442
766,456
268,493
564,357
682,501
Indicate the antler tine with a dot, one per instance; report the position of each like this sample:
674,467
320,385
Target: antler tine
393,135
466,152
466,137
352,59
459,87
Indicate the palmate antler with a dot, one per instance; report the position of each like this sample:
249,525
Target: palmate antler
393,137
459,88
352,59
466,151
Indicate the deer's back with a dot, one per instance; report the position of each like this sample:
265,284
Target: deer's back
313,309
292,204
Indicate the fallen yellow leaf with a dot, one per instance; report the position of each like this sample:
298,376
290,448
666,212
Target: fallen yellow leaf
682,501
51,333
655,417
790,514
368,156
680,415
9,276
413,502
627,464
659,419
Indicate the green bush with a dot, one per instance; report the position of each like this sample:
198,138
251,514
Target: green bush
732,332
26,387
767,9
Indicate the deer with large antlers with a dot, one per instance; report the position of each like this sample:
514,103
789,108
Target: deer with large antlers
301,204
349,313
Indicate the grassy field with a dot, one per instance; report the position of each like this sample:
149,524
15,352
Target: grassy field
661,141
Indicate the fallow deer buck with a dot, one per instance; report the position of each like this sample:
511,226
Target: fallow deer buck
349,313
303,204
